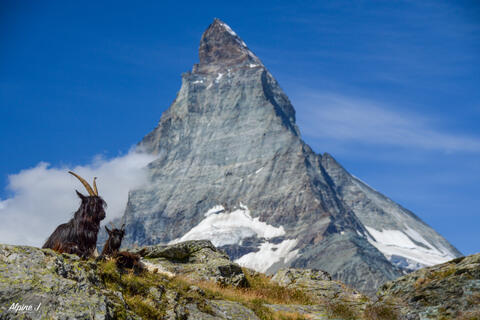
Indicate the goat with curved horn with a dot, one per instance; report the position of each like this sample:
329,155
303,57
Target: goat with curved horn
79,235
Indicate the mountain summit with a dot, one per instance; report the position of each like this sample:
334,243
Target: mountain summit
232,168
221,48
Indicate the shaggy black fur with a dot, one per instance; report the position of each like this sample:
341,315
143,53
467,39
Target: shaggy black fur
113,242
79,235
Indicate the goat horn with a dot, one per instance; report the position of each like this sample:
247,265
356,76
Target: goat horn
95,190
85,183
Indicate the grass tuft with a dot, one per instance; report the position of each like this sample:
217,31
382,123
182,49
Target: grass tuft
341,309
380,311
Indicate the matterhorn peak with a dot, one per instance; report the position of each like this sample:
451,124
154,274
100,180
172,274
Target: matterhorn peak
220,47
231,167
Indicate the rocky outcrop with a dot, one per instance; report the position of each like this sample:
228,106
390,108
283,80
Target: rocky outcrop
49,285
232,168
317,284
197,260
42,284
447,291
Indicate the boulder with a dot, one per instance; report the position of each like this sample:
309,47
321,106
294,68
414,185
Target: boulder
197,260
317,283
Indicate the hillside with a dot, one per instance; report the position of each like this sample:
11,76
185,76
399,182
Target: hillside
195,280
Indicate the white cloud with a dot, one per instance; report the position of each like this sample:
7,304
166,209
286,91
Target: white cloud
334,117
44,197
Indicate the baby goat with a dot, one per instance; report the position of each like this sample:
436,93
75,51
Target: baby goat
114,241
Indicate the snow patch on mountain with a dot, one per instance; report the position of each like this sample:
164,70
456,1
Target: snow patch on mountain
219,77
270,254
407,248
215,209
225,228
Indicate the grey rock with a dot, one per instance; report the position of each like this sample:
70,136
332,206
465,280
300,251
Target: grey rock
196,260
289,276
319,284
60,286
65,287
222,309
446,291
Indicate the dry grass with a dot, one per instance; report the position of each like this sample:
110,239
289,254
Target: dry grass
341,310
260,288
290,316
261,291
380,311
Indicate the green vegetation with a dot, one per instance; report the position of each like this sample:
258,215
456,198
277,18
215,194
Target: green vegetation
134,288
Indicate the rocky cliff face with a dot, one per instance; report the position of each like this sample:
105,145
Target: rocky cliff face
232,168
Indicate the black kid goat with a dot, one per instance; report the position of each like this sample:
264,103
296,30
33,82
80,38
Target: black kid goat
114,241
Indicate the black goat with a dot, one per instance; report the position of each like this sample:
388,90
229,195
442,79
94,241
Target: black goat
113,242
79,235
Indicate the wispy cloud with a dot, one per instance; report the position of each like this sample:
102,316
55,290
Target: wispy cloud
346,119
44,197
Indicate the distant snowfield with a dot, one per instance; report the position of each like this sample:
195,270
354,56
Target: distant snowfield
223,228
397,243
226,228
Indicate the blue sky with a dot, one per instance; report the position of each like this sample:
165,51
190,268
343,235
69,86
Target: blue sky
389,88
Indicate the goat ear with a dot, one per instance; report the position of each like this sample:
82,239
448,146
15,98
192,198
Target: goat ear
107,230
81,196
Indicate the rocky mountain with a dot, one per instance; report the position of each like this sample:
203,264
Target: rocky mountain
232,168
